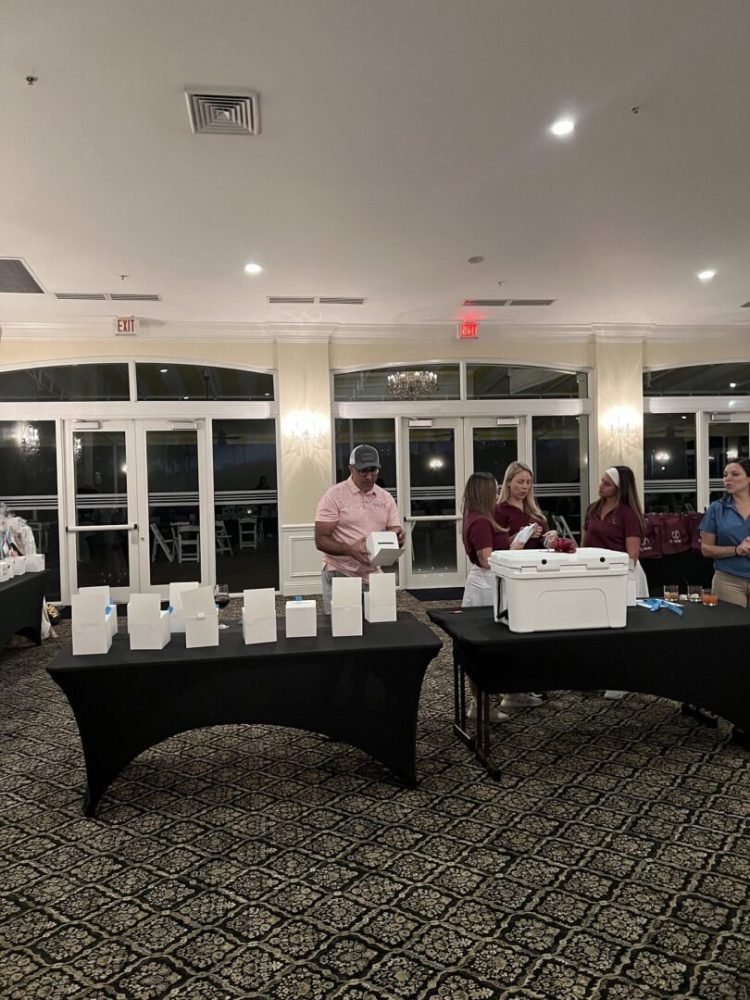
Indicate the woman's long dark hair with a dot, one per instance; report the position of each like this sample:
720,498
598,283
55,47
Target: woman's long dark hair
627,493
480,497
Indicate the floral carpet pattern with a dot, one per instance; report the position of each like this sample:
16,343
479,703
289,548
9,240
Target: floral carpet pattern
610,860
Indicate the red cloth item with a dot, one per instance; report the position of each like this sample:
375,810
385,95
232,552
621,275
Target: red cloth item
651,547
563,545
675,534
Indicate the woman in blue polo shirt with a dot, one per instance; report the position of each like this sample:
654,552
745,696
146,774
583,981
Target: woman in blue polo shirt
725,536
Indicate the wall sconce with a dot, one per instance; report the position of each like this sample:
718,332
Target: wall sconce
304,427
28,440
622,423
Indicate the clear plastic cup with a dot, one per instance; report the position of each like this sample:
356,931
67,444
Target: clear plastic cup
709,597
671,592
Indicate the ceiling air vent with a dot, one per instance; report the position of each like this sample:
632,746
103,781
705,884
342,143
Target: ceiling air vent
215,111
333,300
81,296
531,302
133,297
485,302
16,277
291,300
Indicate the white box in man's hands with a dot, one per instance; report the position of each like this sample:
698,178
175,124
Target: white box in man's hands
380,599
301,619
259,616
382,548
541,591
346,605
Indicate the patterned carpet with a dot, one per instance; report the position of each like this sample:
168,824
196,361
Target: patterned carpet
612,859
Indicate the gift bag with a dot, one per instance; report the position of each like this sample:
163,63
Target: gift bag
651,543
694,519
675,534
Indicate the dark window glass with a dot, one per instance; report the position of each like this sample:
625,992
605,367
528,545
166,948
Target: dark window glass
508,381
669,469
199,382
558,443
65,383
246,504
28,458
732,379
413,382
381,434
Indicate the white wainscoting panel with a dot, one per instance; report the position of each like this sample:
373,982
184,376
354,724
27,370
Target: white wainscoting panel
301,562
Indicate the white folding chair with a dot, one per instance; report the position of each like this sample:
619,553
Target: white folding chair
248,532
160,542
223,541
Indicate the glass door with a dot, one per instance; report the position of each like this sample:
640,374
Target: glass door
175,501
101,526
728,441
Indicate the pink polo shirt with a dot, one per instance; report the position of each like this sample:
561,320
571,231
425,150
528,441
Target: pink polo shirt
355,514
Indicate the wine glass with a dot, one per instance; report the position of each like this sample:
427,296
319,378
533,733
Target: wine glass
221,599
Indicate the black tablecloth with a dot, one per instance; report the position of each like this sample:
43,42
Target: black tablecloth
21,606
700,658
362,690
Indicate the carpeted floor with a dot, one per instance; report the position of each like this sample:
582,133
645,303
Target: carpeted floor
612,859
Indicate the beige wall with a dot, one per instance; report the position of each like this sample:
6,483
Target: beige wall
618,407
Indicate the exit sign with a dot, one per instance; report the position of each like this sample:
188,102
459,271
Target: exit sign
468,330
126,326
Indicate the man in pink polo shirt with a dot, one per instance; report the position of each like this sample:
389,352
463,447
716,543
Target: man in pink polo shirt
346,515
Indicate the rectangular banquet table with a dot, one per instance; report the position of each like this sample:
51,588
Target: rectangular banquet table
21,606
361,690
699,658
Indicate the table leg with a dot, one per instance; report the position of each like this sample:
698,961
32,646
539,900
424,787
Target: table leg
482,746
459,704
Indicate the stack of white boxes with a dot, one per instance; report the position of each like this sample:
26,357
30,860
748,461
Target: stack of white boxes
259,616
380,599
6,570
148,625
19,565
92,616
176,616
35,563
201,617
346,605
301,619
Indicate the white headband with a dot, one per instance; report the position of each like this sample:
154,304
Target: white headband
614,475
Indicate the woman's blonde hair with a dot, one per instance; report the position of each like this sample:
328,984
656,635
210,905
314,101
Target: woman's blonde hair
530,506
480,496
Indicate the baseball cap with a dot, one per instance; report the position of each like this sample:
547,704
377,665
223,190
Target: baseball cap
364,456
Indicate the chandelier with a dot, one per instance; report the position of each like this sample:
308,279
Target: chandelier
28,440
412,384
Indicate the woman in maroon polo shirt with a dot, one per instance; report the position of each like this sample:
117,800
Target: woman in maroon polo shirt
482,536
517,507
615,521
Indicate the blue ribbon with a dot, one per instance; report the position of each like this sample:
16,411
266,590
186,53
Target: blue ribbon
654,603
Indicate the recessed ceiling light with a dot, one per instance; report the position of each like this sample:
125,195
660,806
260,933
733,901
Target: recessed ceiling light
706,275
476,260
732,385
562,127
163,371
253,268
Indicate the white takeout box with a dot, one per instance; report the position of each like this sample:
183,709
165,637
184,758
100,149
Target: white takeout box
201,617
259,616
544,591
176,616
104,596
19,565
6,570
301,619
91,622
346,605
380,599
382,548
35,563
148,625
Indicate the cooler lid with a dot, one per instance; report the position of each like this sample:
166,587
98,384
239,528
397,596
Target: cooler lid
541,561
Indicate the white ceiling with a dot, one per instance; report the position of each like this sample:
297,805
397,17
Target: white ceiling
399,138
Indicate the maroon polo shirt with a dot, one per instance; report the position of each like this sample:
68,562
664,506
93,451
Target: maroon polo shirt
478,533
610,533
513,518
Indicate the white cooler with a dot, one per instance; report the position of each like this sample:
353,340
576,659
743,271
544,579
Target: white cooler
543,591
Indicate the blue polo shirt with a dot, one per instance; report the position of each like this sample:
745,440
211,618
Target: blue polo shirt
723,520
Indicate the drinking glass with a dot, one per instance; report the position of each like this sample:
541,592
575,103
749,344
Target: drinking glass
694,594
221,599
671,591
709,597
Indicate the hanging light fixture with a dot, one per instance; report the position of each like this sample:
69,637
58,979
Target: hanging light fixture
28,440
412,384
